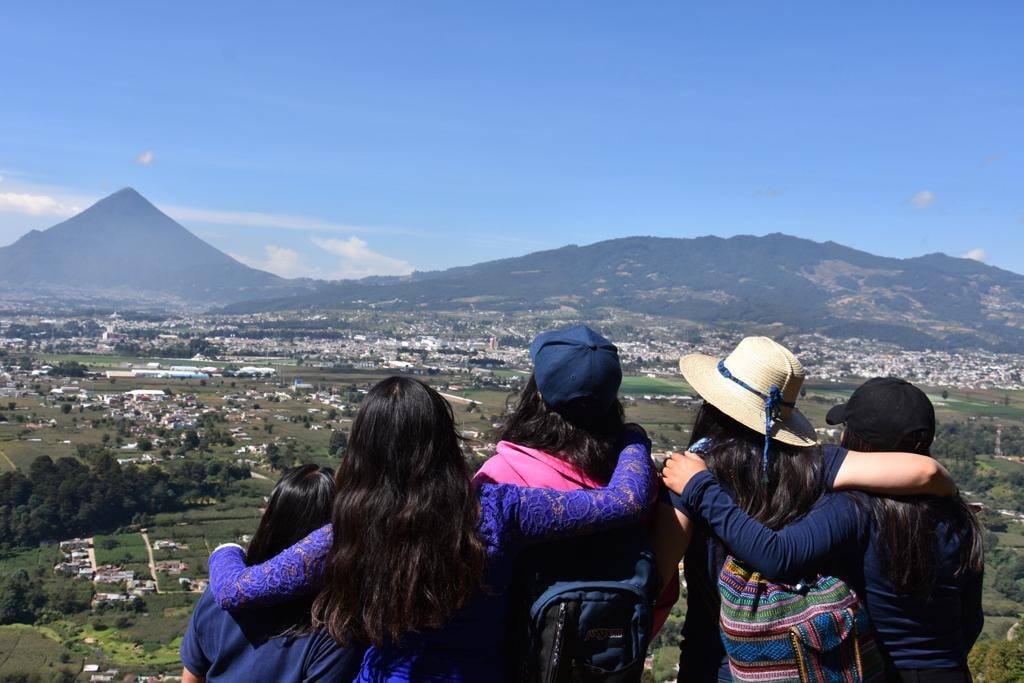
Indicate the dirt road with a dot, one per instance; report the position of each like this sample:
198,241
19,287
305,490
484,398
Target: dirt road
152,564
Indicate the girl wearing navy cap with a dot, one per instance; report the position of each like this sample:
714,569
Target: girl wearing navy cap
568,426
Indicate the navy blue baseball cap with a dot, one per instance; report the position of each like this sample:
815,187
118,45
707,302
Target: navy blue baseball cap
575,363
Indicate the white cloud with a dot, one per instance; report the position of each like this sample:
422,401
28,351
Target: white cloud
36,204
976,254
40,200
279,261
257,219
358,260
923,199
146,158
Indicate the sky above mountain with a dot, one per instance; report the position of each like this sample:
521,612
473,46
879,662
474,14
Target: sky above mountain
347,141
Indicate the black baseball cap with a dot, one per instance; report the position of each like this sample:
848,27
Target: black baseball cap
883,410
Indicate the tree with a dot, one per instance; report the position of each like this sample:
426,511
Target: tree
1003,662
20,599
945,394
69,368
191,441
65,408
339,442
274,458
67,598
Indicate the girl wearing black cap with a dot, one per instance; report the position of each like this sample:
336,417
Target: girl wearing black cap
916,563
924,559
765,452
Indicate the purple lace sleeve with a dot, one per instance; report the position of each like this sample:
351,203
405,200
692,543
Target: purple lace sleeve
544,514
298,570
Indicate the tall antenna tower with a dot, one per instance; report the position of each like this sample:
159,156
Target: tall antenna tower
999,440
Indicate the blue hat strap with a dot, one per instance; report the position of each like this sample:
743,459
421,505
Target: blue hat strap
773,403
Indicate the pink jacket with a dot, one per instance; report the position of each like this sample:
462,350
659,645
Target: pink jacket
524,466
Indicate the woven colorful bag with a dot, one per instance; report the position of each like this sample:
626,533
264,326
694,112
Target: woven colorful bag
808,633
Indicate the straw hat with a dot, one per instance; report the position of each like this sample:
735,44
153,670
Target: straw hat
741,384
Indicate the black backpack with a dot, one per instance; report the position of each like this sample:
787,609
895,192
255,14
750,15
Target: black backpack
583,609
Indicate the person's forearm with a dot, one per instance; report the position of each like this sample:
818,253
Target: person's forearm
894,474
296,571
189,677
789,553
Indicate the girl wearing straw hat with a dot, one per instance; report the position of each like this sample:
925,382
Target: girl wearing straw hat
765,452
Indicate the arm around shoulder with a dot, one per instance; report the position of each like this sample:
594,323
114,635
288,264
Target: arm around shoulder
547,514
298,570
894,474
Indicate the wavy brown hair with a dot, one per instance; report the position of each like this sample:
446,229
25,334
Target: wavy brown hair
406,553
581,432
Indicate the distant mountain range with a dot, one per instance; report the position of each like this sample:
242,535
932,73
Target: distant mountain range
123,246
933,301
124,243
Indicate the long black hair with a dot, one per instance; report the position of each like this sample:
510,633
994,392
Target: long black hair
796,477
299,504
406,553
908,526
580,432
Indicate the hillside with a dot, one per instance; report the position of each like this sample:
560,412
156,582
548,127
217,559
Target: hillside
929,301
124,246
123,251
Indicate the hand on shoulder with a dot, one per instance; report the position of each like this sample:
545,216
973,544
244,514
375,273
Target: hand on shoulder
680,468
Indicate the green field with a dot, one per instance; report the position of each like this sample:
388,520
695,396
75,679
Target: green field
120,549
35,650
146,642
633,385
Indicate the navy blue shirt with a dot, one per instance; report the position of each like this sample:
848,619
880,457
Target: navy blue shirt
838,537
244,646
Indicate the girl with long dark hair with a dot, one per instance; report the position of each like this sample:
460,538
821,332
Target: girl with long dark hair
416,562
276,644
762,450
567,429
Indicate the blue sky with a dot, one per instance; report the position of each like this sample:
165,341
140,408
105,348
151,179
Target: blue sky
339,141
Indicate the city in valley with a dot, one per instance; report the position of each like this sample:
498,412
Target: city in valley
146,440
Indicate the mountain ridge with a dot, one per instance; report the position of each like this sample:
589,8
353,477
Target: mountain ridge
123,248
933,300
